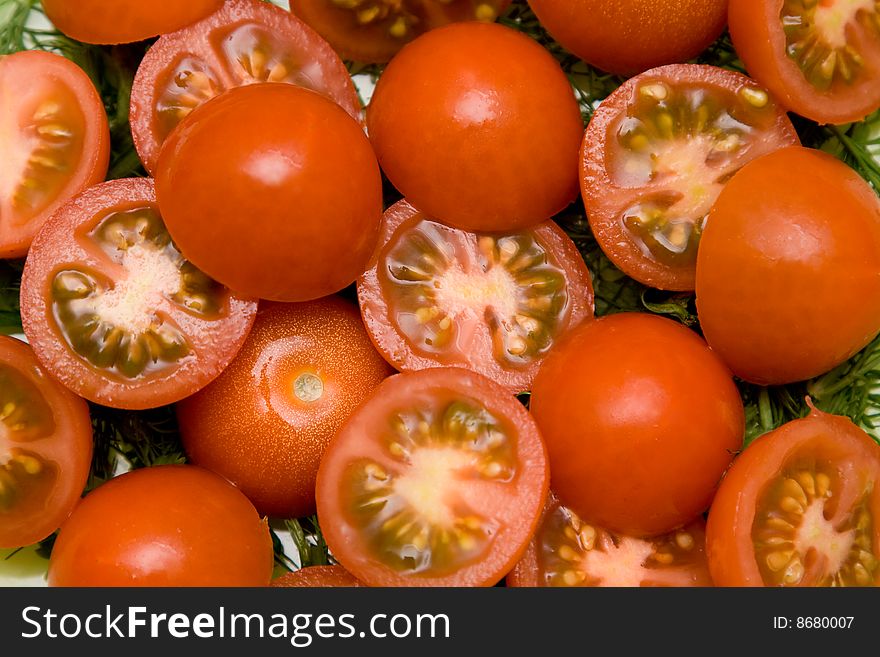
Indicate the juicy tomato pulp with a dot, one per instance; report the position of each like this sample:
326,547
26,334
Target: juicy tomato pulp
55,138
492,303
820,59
246,41
438,479
656,155
374,30
800,507
316,577
45,448
265,422
115,312
566,551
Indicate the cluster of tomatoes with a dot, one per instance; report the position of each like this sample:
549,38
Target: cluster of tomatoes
212,286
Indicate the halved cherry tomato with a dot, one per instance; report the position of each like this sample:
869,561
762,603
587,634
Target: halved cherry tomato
374,30
316,577
265,422
788,274
631,36
566,551
115,312
477,126
819,58
45,448
124,21
800,507
55,139
167,525
438,479
492,303
657,153
246,41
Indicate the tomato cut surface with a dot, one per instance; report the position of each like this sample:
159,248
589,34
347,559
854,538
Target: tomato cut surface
800,507
566,551
820,59
493,303
115,312
657,153
438,479
316,577
246,41
55,138
45,448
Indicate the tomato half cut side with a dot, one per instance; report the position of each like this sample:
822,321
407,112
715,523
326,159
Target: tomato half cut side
820,59
246,41
373,31
490,302
566,551
800,507
316,577
116,313
657,153
438,479
45,448
56,142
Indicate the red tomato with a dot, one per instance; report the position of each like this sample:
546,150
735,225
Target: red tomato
635,35
438,479
800,507
494,304
488,140
169,525
316,577
788,274
287,211
374,30
246,41
566,551
55,138
124,21
45,448
115,312
641,419
265,422
820,59
657,153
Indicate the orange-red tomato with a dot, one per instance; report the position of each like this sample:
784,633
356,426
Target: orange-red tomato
316,577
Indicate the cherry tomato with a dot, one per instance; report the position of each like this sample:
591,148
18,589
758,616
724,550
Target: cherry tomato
115,312
288,211
169,525
820,59
632,36
265,422
124,21
45,448
374,30
55,138
317,577
640,419
566,551
246,41
788,274
800,507
477,125
438,479
494,304
656,155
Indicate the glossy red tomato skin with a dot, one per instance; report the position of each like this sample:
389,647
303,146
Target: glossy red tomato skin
21,74
640,419
69,446
124,21
170,525
287,212
482,143
249,426
788,273
633,36
316,577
